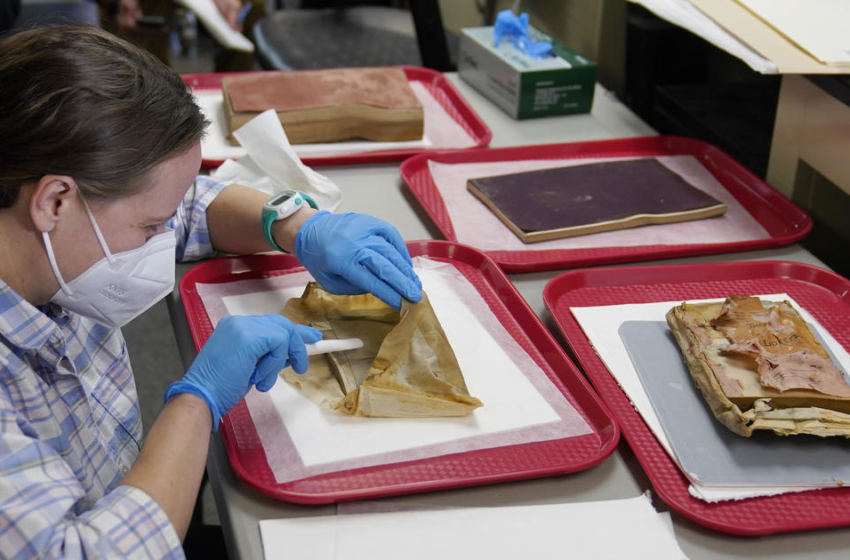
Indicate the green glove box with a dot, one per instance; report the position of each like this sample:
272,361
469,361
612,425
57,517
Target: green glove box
523,86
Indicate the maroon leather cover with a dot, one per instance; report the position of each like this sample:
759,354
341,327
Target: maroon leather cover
587,194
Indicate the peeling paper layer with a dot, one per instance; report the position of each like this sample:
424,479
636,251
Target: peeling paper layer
601,326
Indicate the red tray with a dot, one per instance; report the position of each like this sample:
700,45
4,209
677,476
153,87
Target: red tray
438,85
824,294
530,460
784,221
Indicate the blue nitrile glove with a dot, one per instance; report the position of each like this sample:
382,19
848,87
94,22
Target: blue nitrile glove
515,28
241,352
354,254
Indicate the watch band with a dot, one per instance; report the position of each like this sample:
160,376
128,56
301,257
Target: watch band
269,217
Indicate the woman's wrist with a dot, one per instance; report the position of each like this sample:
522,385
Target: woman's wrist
285,230
193,406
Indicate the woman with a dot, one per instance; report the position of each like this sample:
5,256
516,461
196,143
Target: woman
98,157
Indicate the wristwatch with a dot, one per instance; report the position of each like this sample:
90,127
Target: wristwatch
280,206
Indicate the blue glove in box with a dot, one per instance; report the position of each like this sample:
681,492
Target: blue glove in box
522,81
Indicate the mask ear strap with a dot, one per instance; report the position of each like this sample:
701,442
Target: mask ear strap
99,235
52,258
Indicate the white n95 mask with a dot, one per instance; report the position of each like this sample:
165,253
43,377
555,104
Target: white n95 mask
120,287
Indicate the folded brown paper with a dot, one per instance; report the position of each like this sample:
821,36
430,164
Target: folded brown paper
406,367
759,367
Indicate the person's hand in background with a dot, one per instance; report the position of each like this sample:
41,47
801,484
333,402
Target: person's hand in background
230,10
129,19
355,254
243,352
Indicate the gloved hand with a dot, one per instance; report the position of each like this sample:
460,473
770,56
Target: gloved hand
354,254
241,352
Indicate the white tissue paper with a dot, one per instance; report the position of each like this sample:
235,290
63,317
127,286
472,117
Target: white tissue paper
272,166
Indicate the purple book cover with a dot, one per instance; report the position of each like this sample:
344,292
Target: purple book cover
583,195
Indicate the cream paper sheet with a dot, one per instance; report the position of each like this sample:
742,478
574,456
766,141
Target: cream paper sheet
441,131
300,439
819,27
786,57
380,531
476,225
684,14
602,324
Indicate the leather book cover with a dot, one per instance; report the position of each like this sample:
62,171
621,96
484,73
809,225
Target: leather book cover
583,199
328,105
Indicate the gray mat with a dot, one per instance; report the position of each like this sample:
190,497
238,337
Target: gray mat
708,451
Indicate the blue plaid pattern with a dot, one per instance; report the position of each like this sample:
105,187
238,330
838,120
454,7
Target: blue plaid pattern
70,426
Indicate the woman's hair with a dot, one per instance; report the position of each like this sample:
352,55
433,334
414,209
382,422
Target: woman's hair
79,101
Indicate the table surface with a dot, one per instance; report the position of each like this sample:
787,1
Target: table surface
378,190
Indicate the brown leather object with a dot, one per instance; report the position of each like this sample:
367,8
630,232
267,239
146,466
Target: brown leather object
734,383
328,105
583,199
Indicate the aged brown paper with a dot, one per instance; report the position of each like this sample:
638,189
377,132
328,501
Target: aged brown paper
406,367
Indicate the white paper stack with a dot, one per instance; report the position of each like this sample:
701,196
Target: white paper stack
375,531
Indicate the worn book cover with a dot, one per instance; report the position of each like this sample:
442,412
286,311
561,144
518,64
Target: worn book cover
760,367
583,199
328,105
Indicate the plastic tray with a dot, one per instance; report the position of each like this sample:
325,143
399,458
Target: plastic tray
784,221
439,86
484,466
824,294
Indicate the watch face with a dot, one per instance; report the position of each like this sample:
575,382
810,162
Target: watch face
281,198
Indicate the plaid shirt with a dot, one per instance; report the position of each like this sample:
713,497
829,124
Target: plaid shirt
70,426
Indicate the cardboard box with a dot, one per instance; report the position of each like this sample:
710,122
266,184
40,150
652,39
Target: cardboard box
526,87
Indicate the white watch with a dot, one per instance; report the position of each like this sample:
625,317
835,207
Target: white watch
280,206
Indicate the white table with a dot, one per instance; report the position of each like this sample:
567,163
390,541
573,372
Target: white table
378,190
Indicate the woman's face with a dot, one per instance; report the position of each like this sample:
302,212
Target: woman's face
128,223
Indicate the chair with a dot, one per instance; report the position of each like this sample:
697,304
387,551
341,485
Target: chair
346,36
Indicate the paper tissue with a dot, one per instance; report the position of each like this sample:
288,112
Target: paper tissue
272,166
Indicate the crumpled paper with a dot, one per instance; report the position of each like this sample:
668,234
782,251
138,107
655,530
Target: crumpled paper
271,164
405,369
